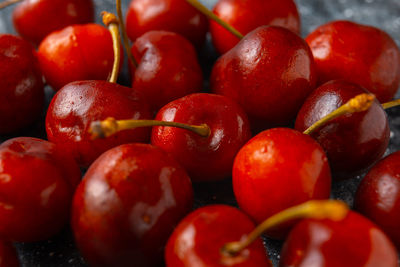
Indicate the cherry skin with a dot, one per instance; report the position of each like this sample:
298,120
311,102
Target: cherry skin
35,19
378,196
128,204
200,236
270,72
351,242
37,184
204,158
358,53
76,53
168,15
78,104
21,85
277,169
353,142
247,15
8,255
168,67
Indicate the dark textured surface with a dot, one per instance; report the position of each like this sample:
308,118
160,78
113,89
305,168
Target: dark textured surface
385,14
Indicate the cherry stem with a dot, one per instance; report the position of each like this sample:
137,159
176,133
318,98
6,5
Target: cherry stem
7,3
125,35
199,6
316,209
391,104
111,21
358,103
110,126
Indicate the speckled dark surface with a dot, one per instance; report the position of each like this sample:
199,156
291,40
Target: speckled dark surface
385,14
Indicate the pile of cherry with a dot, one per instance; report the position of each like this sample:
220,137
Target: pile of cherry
134,204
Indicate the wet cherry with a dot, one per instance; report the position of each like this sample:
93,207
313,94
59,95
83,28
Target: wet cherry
357,53
128,204
8,255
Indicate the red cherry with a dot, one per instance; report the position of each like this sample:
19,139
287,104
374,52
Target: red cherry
79,52
269,73
35,19
200,236
378,196
21,86
358,53
37,183
128,204
278,169
247,15
168,68
353,142
351,242
204,158
168,15
8,255
78,104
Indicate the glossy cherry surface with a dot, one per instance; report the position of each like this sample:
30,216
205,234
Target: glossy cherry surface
204,158
168,67
353,142
247,15
35,19
200,236
78,104
378,196
358,53
277,169
8,255
269,73
128,204
352,242
37,184
168,15
76,53
21,85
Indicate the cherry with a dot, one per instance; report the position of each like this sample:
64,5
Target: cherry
75,53
167,67
378,196
37,183
128,204
277,169
8,255
21,86
35,19
269,73
247,15
168,15
354,142
199,238
358,53
78,104
352,241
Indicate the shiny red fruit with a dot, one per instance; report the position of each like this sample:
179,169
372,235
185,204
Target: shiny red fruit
128,204
247,15
269,73
35,19
8,255
76,53
351,242
167,15
357,53
353,142
278,169
37,183
378,196
204,158
168,67
21,85
78,104
200,236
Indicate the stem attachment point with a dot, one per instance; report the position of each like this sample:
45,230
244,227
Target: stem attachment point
111,21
